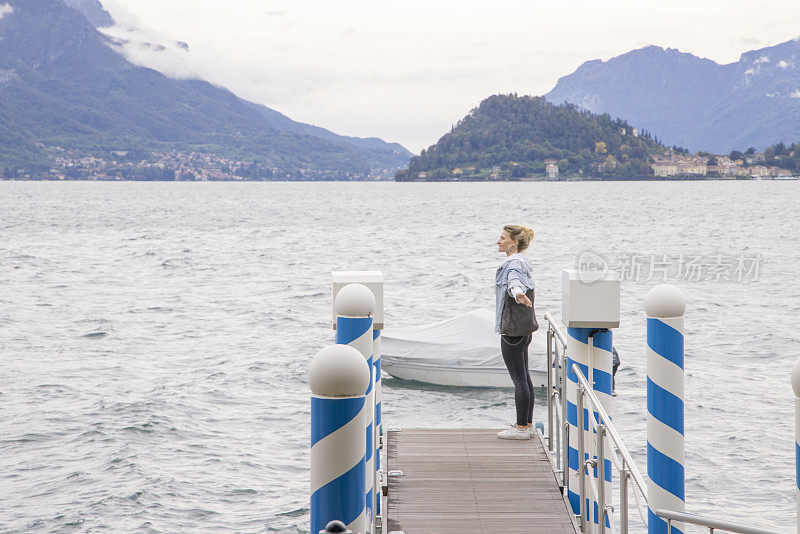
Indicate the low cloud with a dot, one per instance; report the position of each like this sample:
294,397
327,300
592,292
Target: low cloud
145,47
795,94
391,73
762,59
171,58
783,64
5,9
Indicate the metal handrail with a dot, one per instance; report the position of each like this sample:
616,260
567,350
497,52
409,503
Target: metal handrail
610,429
556,395
554,327
712,524
556,411
604,426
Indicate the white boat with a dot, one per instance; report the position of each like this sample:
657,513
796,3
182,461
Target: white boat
461,351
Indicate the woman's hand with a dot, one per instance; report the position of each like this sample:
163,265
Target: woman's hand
522,298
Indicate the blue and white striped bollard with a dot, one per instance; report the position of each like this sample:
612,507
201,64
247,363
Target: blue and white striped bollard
355,306
665,306
376,356
338,376
796,387
595,366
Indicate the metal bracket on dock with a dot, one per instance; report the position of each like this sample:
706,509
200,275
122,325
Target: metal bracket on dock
394,429
395,473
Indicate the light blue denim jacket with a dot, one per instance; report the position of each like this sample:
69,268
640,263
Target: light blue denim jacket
515,273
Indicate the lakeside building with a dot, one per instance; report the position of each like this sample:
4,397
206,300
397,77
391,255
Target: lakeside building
693,166
726,171
668,163
688,166
551,169
664,170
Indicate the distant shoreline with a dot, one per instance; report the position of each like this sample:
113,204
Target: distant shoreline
548,180
619,179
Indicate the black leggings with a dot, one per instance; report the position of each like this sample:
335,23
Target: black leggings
515,355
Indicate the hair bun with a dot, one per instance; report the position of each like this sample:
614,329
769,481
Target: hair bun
528,232
523,235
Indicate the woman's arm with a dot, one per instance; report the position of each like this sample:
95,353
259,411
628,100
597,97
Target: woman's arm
516,284
515,279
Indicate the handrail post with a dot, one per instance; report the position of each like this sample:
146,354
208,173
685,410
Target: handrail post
665,306
557,428
338,376
601,476
796,388
582,508
550,368
567,426
600,366
623,498
576,354
564,453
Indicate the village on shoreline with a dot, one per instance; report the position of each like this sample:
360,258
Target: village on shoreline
170,165
174,165
667,165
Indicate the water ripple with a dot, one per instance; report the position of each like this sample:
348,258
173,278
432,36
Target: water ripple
157,340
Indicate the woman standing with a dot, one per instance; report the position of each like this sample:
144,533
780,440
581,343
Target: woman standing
514,289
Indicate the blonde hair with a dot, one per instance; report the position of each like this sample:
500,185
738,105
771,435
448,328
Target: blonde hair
521,234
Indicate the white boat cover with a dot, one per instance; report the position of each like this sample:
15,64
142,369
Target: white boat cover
462,342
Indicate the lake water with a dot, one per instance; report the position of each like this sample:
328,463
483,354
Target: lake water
155,337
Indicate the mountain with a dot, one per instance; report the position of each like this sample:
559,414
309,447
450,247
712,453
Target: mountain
694,102
64,84
510,136
93,10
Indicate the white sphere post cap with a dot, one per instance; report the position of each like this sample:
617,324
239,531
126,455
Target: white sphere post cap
665,300
796,378
338,371
355,300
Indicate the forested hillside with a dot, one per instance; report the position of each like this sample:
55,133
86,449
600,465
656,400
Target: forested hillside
510,136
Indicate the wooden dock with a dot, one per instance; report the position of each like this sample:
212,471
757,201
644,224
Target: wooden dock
468,481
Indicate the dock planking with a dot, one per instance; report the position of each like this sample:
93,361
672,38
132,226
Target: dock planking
469,481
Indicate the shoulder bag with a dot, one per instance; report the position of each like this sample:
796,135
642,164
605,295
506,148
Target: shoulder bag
518,319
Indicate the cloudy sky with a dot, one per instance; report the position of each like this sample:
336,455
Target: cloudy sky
405,71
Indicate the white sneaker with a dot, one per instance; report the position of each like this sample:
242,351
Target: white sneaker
514,425
514,433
